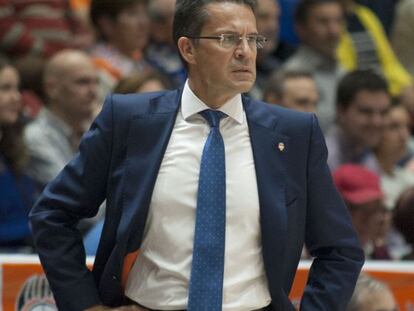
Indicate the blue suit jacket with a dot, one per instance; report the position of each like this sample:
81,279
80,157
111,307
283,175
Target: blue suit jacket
119,160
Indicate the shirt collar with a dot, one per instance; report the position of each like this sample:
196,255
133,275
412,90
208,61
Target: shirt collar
191,105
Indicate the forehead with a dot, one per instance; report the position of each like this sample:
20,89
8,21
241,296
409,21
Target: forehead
373,99
8,73
332,9
264,6
229,16
303,81
79,69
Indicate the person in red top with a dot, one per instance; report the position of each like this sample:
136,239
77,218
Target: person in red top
39,28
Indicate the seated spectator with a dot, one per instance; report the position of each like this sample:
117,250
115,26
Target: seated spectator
267,16
362,103
402,35
392,147
161,52
39,28
365,46
371,295
17,191
150,81
122,28
403,219
361,190
319,24
293,89
70,83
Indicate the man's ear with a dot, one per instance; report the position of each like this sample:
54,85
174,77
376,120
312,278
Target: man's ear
187,49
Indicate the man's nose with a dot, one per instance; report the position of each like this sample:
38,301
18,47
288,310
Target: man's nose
243,49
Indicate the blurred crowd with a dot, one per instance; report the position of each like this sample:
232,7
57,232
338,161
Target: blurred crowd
347,61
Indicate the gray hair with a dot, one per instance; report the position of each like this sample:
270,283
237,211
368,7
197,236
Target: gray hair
365,286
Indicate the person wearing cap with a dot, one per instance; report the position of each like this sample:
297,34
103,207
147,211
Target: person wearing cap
361,190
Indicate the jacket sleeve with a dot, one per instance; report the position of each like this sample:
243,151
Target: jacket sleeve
330,237
75,193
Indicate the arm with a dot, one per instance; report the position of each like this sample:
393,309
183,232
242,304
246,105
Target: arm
330,237
74,194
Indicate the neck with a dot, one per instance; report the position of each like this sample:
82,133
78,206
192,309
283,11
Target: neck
352,144
76,123
211,97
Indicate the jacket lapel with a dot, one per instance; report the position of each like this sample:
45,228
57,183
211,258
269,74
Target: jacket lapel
147,140
269,152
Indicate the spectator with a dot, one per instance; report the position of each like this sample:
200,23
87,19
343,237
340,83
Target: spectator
293,89
70,83
371,295
161,51
391,149
403,219
362,103
365,46
122,27
319,24
151,81
360,188
39,28
267,15
402,36
16,189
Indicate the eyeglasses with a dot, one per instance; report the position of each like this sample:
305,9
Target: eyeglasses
229,40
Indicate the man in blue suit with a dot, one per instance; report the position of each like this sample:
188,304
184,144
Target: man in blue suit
210,195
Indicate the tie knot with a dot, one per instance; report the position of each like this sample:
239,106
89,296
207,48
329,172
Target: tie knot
213,117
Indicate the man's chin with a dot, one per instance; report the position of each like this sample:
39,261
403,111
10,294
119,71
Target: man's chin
244,86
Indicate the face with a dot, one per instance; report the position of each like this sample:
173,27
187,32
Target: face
221,72
396,133
379,301
130,30
364,118
162,23
300,94
10,104
267,14
323,27
371,221
76,91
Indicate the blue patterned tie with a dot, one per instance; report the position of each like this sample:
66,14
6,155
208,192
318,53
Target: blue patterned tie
206,281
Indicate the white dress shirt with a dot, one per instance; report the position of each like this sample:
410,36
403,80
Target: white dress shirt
160,276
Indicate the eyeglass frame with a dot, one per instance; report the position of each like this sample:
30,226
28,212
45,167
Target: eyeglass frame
222,36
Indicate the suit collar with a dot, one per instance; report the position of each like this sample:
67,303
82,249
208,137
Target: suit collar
191,105
270,162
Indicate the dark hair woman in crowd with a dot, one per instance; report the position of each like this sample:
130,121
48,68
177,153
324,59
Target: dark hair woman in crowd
16,189
403,218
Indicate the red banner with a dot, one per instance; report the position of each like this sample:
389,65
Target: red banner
23,286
